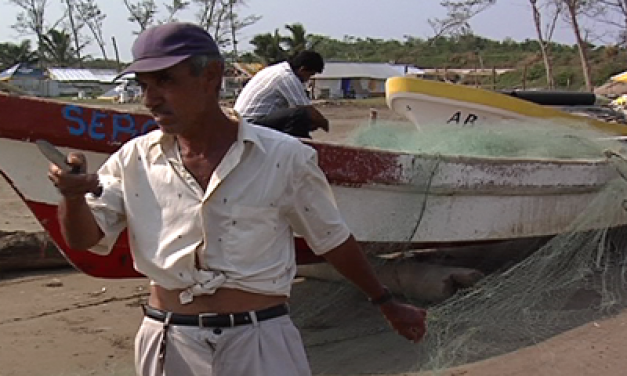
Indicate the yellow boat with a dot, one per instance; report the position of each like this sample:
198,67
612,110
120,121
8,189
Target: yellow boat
426,102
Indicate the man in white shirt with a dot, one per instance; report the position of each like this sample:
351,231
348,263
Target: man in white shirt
211,203
276,97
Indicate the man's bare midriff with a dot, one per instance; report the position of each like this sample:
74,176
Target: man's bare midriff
222,301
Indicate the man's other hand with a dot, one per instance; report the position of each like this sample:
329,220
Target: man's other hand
407,320
318,121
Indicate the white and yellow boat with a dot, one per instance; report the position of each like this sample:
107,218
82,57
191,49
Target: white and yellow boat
426,102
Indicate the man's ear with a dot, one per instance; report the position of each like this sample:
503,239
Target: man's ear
213,75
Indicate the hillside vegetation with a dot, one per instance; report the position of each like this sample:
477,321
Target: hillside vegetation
472,52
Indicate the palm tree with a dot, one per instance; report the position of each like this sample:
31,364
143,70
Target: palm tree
268,47
297,42
57,49
11,54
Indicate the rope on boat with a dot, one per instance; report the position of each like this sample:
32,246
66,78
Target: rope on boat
423,207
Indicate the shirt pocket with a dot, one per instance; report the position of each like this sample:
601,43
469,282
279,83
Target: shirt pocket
251,236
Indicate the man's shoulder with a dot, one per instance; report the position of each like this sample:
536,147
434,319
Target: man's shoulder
275,71
275,141
278,67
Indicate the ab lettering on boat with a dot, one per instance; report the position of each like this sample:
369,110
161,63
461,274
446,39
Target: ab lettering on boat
101,125
470,119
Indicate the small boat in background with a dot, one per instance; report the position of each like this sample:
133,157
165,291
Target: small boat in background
426,102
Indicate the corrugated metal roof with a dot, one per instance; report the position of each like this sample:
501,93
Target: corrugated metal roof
82,75
337,70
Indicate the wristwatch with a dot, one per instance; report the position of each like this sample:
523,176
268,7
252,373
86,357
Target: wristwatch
384,298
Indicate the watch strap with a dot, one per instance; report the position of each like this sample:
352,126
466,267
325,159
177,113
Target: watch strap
384,298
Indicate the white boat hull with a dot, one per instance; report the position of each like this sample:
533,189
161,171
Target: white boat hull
468,200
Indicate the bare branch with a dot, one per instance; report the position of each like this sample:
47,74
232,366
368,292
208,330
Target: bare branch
141,12
458,15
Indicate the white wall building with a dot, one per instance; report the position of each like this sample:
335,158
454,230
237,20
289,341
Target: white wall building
354,80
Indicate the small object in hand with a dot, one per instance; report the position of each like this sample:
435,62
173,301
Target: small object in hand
55,156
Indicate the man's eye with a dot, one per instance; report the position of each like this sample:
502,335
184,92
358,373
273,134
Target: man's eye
164,80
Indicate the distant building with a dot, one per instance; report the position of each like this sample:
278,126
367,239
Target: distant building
82,82
54,82
30,79
354,80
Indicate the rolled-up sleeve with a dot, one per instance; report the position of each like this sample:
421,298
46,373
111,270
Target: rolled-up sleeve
108,208
313,213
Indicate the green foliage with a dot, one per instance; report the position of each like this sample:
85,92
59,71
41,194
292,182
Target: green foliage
566,77
11,54
57,48
100,64
600,72
473,52
270,48
535,72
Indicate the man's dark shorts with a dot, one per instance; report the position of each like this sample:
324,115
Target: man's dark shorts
294,121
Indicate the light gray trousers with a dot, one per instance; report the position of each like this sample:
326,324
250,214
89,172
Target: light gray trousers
268,348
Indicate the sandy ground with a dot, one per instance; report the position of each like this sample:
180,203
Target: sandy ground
63,323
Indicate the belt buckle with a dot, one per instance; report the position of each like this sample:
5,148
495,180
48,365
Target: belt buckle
203,316
209,315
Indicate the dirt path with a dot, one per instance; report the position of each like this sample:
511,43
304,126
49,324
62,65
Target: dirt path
75,325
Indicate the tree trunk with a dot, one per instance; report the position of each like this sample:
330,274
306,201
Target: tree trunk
117,53
233,29
77,45
544,48
103,50
572,6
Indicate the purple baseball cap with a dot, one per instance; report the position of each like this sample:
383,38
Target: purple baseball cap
163,46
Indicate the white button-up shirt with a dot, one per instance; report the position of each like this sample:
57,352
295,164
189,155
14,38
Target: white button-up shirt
273,88
238,233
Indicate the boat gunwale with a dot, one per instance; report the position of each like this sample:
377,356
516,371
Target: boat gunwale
463,159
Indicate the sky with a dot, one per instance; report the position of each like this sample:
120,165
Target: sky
385,19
